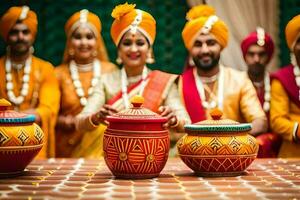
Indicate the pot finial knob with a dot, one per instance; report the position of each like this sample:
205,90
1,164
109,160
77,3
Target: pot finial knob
137,101
4,104
216,114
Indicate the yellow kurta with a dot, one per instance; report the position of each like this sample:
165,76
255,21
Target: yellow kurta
43,96
284,117
67,140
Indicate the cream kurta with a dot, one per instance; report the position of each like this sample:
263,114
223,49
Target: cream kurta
110,85
240,100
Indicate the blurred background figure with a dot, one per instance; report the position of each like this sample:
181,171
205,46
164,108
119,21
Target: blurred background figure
26,81
85,60
285,95
258,49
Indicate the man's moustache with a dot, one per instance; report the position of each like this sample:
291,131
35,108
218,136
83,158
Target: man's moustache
20,42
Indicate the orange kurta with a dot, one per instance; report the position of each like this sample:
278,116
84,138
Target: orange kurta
68,139
43,96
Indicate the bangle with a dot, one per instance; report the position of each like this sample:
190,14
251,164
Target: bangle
91,121
176,124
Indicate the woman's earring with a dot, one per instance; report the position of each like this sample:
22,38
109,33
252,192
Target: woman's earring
119,60
150,57
95,53
71,52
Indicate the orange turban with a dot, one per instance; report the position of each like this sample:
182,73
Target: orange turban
93,22
10,18
202,19
292,32
128,18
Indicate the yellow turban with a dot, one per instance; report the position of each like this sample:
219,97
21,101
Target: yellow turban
93,22
10,18
202,19
128,18
292,32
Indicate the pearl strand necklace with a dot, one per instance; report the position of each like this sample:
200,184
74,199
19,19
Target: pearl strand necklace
200,88
77,84
124,83
9,84
267,95
297,78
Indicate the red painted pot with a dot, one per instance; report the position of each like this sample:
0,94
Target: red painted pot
20,140
135,144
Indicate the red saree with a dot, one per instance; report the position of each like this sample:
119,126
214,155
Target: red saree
153,92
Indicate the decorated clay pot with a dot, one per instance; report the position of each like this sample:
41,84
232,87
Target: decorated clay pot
135,143
20,140
217,147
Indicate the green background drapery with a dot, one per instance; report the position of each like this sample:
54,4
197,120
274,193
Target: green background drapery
169,50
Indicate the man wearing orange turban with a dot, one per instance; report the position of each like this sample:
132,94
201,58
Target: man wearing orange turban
207,84
26,81
257,49
285,95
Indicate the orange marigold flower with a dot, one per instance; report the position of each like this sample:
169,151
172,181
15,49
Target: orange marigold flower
122,10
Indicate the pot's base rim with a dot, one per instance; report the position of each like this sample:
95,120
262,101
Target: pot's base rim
135,176
11,174
220,174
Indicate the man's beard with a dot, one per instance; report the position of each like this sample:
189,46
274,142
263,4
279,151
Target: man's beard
206,66
17,51
256,69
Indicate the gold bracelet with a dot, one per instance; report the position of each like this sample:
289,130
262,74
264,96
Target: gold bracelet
92,123
175,125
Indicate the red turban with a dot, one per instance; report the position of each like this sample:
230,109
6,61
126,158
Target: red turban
253,38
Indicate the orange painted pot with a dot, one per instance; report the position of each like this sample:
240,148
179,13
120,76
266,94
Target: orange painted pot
20,140
217,147
135,144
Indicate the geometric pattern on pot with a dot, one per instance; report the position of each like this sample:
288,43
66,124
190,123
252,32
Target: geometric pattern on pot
3,138
136,155
38,134
229,145
218,164
25,135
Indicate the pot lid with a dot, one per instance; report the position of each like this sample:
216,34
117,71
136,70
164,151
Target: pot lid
217,124
8,116
137,113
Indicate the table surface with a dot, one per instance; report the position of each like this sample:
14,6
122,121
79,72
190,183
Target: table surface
91,179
